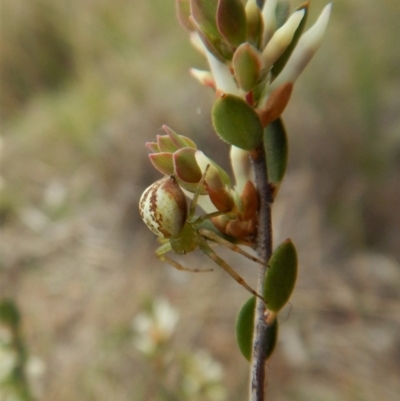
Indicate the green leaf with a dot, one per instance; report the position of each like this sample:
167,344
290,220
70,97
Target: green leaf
276,149
163,162
231,21
245,328
281,276
204,12
282,12
185,165
236,122
216,46
9,313
153,147
165,144
179,140
247,64
282,60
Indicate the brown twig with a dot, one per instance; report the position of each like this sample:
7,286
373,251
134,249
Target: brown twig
264,250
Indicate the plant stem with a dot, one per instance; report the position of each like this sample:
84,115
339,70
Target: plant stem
264,250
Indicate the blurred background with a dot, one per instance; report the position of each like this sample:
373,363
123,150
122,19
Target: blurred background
84,84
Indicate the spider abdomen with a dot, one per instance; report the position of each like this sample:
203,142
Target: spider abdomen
163,207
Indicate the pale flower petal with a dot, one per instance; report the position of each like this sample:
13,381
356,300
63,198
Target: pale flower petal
223,78
281,39
268,14
241,167
305,50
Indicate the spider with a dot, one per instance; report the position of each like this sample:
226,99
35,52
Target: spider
163,208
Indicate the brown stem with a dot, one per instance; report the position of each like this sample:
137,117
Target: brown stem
264,250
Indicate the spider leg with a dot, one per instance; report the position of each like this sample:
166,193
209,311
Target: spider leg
193,204
212,255
161,254
222,241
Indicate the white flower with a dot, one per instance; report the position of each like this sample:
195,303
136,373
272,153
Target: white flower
156,327
5,334
8,360
281,39
304,51
203,376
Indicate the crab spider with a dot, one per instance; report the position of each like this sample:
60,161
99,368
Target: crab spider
163,207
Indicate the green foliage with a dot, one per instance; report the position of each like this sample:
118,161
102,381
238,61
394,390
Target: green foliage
231,21
236,122
245,327
281,276
204,13
247,65
245,330
185,166
9,313
276,149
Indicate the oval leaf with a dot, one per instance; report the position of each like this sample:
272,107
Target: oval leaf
165,144
281,276
163,162
255,24
185,165
276,149
215,45
246,64
236,122
245,328
231,21
204,12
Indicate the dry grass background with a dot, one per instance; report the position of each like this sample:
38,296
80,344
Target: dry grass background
84,84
